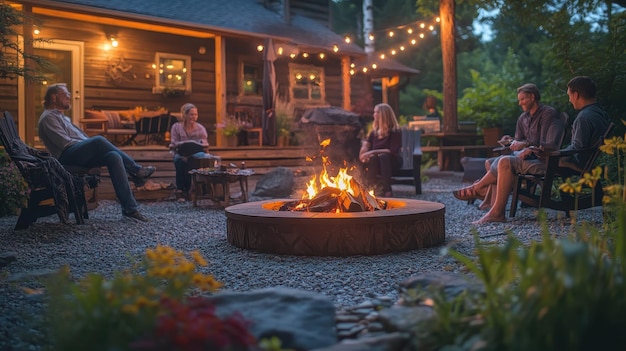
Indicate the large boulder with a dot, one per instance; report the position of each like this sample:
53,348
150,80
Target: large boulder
276,183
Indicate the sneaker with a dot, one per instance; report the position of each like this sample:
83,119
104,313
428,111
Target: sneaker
144,172
135,215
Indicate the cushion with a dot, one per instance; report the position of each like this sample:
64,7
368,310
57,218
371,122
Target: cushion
93,114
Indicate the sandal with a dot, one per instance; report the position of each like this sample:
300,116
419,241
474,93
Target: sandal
467,193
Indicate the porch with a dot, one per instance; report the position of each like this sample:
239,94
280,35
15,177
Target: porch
261,159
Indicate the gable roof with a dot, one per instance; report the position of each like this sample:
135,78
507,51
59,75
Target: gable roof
234,17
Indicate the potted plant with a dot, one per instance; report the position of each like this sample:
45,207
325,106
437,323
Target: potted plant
229,129
283,112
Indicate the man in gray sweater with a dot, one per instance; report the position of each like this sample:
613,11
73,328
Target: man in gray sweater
71,146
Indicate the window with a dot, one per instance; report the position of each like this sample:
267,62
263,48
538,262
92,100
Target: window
307,83
172,73
251,79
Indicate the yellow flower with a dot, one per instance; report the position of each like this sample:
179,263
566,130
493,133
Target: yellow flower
130,309
569,187
197,257
590,179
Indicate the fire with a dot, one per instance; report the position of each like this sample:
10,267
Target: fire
340,193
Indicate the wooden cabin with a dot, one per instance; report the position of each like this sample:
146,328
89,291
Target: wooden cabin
138,56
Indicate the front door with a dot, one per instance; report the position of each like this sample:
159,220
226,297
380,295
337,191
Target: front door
67,57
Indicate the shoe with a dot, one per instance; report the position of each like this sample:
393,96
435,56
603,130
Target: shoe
467,193
144,172
135,215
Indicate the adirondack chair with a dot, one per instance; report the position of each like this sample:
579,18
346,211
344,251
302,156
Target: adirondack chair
31,163
526,185
411,152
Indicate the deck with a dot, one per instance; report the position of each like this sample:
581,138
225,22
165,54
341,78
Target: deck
261,159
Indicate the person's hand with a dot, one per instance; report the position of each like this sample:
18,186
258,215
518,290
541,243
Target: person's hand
518,145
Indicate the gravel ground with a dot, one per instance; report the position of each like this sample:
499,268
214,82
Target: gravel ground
105,243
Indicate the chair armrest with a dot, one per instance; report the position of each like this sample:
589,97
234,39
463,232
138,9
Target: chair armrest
103,122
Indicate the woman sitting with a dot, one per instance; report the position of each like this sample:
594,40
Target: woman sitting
188,139
380,152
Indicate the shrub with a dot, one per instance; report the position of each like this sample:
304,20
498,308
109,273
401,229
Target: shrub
13,187
149,307
556,294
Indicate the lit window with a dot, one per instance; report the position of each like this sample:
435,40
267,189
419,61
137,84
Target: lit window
307,82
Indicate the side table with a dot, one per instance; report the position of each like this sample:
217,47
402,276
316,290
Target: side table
214,184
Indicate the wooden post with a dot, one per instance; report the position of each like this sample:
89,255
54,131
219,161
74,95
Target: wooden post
448,51
345,75
220,84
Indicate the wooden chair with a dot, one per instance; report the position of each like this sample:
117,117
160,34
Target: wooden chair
253,118
109,125
526,185
34,165
411,172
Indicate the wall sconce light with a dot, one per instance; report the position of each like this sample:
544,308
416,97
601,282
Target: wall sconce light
114,42
36,30
259,48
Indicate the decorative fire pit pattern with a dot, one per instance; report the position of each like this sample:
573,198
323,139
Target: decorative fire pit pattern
405,225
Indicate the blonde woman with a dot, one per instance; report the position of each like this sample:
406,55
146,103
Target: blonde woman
380,152
188,139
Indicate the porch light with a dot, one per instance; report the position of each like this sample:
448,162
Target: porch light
322,55
305,54
259,48
293,56
280,50
335,48
114,42
347,39
371,36
36,30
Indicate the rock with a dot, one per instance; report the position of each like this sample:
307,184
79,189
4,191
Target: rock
276,183
301,319
385,342
6,258
405,319
451,284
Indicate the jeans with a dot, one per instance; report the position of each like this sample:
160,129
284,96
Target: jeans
97,151
379,170
183,178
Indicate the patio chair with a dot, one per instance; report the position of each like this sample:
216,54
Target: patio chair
526,185
47,179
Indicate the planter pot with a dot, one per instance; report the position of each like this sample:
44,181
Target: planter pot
492,135
229,140
283,140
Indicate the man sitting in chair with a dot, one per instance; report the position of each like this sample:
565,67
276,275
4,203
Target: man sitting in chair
71,146
588,127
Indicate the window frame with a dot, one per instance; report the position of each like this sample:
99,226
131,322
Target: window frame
160,87
319,70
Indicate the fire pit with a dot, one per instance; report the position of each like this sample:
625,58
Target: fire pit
405,225
336,216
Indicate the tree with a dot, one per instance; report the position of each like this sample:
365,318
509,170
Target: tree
12,54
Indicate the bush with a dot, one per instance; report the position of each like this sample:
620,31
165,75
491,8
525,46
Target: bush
13,187
556,294
155,305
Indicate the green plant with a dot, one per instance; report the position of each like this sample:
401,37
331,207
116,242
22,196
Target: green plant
112,314
13,187
284,113
492,99
555,294
230,126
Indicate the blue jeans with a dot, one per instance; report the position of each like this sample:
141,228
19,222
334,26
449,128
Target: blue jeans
97,151
183,178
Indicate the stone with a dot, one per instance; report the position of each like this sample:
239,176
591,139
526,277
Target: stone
451,284
405,318
6,258
385,342
276,183
302,320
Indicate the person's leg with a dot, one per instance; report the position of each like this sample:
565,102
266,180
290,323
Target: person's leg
504,185
180,164
372,171
119,178
90,153
385,167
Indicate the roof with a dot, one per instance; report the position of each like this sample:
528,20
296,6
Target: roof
237,17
